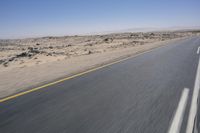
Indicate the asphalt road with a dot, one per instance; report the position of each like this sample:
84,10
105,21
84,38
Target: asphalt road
139,95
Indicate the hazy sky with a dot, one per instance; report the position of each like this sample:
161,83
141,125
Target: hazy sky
31,18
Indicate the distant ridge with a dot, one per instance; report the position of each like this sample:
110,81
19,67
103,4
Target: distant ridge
147,29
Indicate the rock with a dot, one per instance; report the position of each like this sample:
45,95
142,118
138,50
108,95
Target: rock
11,59
51,47
5,64
152,34
107,40
30,55
49,54
30,48
35,51
89,52
2,61
90,44
88,40
23,54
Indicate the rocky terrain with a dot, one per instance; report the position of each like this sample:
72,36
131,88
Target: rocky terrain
33,51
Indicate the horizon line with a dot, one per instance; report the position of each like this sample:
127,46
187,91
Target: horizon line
128,30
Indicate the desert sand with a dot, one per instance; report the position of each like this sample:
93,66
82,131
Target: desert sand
27,63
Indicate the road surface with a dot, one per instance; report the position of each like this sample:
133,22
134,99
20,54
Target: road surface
138,95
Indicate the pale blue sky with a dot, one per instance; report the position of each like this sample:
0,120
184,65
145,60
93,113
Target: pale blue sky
31,18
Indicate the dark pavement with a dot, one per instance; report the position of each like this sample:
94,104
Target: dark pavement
139,95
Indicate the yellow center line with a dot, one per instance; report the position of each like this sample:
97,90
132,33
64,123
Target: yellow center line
74,76
58,81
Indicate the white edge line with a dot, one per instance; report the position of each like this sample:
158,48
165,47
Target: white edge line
178,117
193,108
198,50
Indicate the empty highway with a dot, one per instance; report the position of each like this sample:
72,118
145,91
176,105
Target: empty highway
149,93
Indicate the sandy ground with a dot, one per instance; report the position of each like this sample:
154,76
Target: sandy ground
25,63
